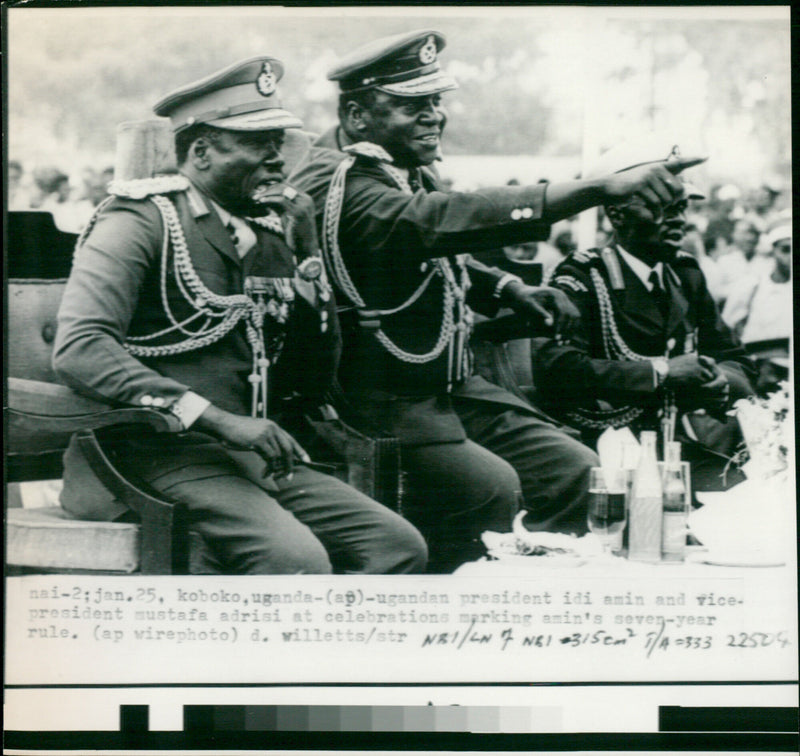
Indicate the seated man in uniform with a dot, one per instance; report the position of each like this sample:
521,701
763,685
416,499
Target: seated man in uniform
200,294
397,249
650,337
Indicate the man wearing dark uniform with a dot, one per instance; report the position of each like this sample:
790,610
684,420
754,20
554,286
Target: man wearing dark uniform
651,343
397,249
200,293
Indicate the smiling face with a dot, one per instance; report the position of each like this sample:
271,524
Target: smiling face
408,128
649,238
233,165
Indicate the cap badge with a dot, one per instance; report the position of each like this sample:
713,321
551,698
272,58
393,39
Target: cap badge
675,154
427,53
266,81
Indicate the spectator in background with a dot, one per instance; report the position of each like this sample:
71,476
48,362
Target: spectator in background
95,190
723,210
734,262
18,197
763,210
759,305
51,188
760,308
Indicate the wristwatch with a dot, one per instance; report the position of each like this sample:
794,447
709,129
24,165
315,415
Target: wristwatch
660,370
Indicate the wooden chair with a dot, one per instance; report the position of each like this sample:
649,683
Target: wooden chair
41,417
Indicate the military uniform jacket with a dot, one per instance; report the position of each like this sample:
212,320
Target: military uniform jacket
581,372
115,292
388,239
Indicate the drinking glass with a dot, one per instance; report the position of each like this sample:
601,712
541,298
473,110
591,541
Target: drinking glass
606,516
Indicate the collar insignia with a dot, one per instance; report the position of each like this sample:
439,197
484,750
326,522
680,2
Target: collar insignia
266,81
427,53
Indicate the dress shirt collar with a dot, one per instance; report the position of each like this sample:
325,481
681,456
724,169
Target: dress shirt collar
244,233
642,270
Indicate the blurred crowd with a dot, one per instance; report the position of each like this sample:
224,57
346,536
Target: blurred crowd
70,199
740,236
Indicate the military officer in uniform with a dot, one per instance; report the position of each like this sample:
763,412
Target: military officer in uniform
651,347
201,293
397,249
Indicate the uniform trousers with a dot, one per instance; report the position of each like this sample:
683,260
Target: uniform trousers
312,524
511,459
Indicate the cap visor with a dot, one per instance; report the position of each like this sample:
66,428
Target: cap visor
439,81
260,120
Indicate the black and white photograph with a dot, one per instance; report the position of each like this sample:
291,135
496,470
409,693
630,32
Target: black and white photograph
399,378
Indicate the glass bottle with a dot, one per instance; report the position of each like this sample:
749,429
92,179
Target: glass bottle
644,539
675,506
630,461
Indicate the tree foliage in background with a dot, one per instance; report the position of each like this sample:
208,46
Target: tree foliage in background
74,76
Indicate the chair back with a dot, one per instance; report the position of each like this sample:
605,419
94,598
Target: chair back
32,308
37,248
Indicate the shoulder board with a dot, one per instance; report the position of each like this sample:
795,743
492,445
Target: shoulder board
584,257
570,282
611,262
146,187
685,260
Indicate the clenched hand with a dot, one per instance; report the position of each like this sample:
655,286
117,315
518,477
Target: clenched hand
543,304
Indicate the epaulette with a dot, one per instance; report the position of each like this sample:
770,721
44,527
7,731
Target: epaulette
569,282
685,260
147,187
611,261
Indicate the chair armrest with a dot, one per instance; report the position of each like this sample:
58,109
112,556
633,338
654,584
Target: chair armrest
372,458
164,521
50,407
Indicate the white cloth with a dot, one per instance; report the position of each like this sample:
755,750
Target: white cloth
760,307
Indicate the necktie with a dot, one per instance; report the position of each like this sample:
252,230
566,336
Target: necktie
659,294
234,236
242,236
414,180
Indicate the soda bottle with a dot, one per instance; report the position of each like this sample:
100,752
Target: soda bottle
673,523
630,461
644,538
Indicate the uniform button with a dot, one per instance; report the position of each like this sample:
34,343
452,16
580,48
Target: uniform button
158,401
527,212
516,214
146,400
